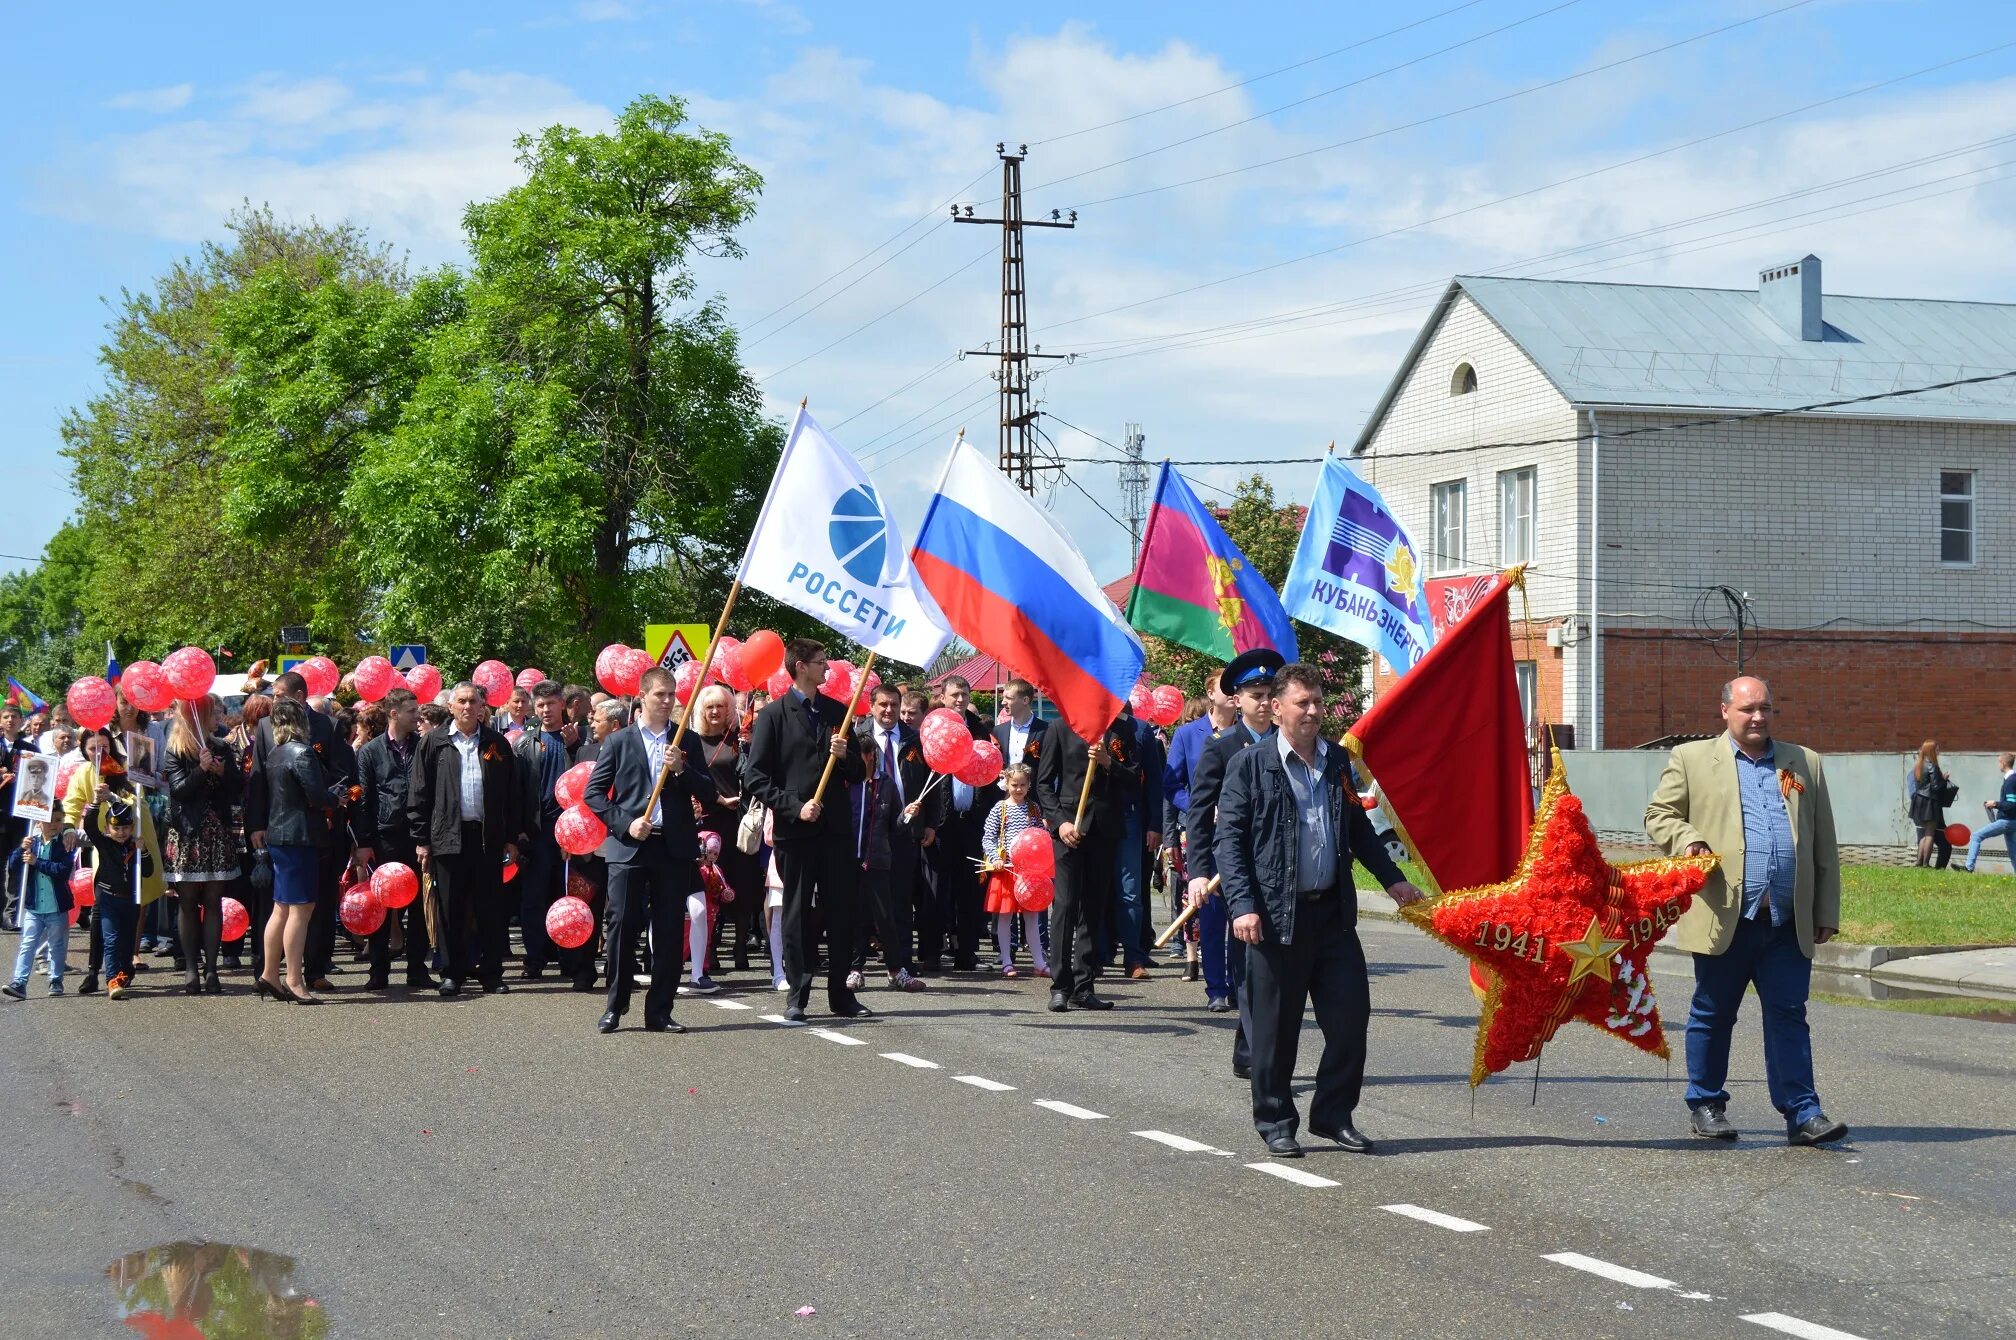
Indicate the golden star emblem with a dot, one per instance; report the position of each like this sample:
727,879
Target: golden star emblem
1400,571
1591,953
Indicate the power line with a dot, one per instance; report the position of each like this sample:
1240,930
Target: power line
877,320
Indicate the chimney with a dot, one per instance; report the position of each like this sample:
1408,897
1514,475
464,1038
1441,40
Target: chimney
1790,295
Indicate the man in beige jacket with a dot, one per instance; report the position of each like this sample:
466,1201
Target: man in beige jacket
1761,804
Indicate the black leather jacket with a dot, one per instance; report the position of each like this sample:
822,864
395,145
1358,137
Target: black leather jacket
193,794
297,795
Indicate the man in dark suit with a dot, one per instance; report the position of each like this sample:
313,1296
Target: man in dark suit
898,782
1139,821
653,851
544,753
332,834
1020,737
384,771
1289,823
1085,856
464,809
961,899
793,738
1249,683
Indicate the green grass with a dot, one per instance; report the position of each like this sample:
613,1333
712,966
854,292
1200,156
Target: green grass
1887,905
1975,1007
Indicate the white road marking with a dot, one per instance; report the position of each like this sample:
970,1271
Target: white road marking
780,1019
1183,1142
840,1038
1288,1174
992,1086
1437,1218
1637,1279
1069,1110
905,1058
1806,1330
720,1004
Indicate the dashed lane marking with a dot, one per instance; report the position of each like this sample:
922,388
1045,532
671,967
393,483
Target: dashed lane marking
1071,1110
840,1038
720,1004
1183,1142
1806,1330
914,1062
1616,1274
991,1085
1437,1218
1288,1174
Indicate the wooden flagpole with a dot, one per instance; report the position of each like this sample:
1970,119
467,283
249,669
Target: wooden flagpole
846,720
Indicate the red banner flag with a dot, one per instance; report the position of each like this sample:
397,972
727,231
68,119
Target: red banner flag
1446,746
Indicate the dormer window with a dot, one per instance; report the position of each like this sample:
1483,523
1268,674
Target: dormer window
1463,381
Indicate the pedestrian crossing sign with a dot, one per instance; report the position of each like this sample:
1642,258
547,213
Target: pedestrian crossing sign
673,644
406,655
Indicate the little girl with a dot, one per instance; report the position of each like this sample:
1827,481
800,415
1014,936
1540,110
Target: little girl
703,910
773,910
1007,821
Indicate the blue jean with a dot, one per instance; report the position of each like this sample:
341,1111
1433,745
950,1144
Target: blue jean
38,929
117,916
2004,828
1770,958
1130,882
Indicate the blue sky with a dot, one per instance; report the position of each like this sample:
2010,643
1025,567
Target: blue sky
137,127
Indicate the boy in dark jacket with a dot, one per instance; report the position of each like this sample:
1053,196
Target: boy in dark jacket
112,838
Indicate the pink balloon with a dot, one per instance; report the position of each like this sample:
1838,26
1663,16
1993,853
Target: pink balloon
983,767
569,922
395,884
425,681
320,674
1142,699
778,684
64,774
721,657
494,678
235,920
839,680
573,784
191,672
374,678
611,666
864,691
577,831
1033,895
948,745
146,687
635,662
1033,854
530,678
735,672
360,911
91,702
685,679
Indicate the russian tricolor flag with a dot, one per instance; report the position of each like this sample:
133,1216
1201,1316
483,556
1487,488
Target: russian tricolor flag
1012,584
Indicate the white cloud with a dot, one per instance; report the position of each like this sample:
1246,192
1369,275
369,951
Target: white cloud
604,11
158,101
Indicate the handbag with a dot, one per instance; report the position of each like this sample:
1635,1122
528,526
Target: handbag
1948,793
749,832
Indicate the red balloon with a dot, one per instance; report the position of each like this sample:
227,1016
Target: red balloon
146,686
494,678
580,886
1169,704
720,657
635,662
947,751
530,678
778,684
735,671
1141,698
91,702
320,674
1033,854
612,664
577,831
983,767
360,911
511,869
569,922
395,884
1958,834
573,785
83,887
191,672
1033,895
236,920
762,655
425,681
685,679
63,776
864,690
839,681
374,678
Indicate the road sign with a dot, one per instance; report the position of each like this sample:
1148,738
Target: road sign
294,635
672,644
290,663
406,655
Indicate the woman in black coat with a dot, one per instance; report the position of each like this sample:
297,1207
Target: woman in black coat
200,855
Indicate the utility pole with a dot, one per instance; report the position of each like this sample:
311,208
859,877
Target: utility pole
1017,452
1134,486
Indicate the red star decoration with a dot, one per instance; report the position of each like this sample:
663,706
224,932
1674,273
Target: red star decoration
1566,937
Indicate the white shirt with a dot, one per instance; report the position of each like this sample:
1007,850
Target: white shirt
472,773
1018,738
654,754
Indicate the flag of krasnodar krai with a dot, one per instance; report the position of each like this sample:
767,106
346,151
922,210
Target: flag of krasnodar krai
824,544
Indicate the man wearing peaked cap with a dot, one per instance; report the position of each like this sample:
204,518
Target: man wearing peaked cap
1256,667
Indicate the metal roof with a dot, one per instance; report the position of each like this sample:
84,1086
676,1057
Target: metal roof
1649,345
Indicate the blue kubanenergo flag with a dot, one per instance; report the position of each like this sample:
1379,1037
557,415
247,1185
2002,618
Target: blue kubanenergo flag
1357,573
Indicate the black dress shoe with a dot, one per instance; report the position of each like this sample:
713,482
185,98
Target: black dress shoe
531,974
663,1026
1346,1137
585,983
1818,1129
421,983
449,987
1088,1001
1059,1002
794,1017
1711,1121
496,988
1283,1147
855,1011
377,981
607,1023
1242,1070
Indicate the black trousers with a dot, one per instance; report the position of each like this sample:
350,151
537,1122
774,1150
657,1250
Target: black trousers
543,881
1326,965
647,893
416,925
821,868
1082,908
329,865
470,887
887,894
959,897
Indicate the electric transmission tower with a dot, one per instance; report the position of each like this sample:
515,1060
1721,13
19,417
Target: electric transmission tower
1134,486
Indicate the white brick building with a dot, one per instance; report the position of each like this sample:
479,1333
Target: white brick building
1874,541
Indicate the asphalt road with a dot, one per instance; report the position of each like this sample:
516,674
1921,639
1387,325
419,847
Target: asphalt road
494,1168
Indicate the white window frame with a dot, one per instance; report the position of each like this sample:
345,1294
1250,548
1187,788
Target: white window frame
1528,522
1526,675
1441,558
1969,499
